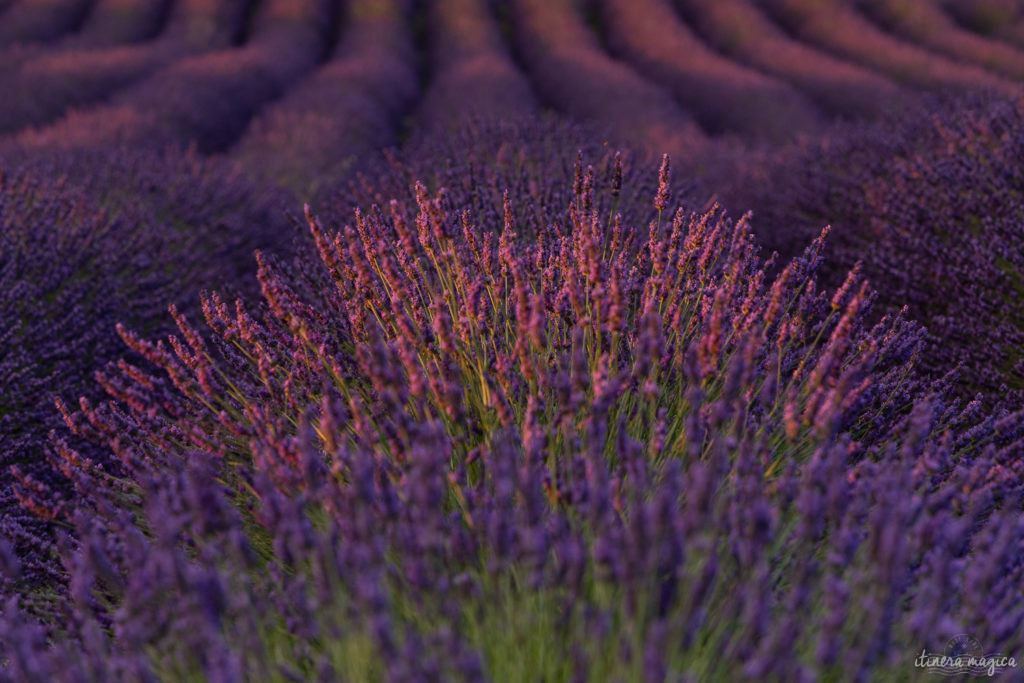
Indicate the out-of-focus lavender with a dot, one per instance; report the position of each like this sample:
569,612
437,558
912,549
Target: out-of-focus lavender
538,161
514,405
52,82
925,23
118,23
1002,19
92,25
473,77
203,23
205,99
741,30
724,96
332,122
932,205
41,20
90,240
573,75
426,456
114,22
837,27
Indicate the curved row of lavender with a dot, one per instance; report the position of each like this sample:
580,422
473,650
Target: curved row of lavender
742,73
835,26
54,81
932,204
572,72
742,30
723,95
94,24
474,77
89,240
449,449
28,22
927,24
317,134
49,29
1002,19
205,99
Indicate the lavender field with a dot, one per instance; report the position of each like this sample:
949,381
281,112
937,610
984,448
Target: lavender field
511,340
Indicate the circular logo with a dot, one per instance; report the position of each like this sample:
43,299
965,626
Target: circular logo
964,645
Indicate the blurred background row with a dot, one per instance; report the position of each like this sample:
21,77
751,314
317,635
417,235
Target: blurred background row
302,92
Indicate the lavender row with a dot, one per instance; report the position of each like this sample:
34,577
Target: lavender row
1001,19
51,83
327,125
834,26
473,76
205,99
28,22
570,71
926,24
932,205
741,30
202,24
115,22
439,450
724,97
100,23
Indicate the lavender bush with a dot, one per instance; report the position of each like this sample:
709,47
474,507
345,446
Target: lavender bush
513,405
440,450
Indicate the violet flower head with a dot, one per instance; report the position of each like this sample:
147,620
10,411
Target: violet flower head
664,195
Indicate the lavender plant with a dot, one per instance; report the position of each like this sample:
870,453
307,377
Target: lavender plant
441,450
